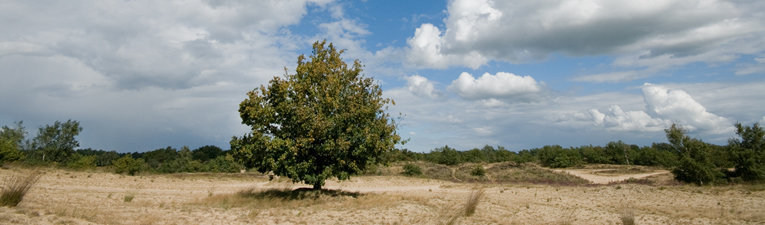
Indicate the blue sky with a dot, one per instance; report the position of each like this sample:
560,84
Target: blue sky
142,75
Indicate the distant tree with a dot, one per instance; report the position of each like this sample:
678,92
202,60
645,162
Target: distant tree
695,161
527,155
748,152
446,155
158,157
106,158
594,155
127,165
78,161
503,155
11,142
223,164
620,152
206,153
56,143
183,162
555,156
476,155
324,121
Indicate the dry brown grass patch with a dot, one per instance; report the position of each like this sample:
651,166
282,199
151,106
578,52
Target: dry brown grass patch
450,215
627,216
17,186
286,198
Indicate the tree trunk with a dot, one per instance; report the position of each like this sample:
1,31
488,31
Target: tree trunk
317,186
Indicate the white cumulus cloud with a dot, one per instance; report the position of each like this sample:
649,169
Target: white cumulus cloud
663,107
654,35
500,86
421,86
427,51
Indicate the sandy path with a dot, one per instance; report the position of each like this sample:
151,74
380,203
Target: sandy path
600,179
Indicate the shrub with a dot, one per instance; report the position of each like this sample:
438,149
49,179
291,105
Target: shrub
749,152
82,162
17,187
412,170
556,157
127,165
478,171
695,164
223,164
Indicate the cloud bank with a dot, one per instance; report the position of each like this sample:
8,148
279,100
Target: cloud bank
663,107
645,37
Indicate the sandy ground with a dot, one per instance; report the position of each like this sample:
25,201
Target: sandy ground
593,176
69,197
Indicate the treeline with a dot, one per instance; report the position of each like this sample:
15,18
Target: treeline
55,145
554,156
691,160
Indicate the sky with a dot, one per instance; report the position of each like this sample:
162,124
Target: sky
140,75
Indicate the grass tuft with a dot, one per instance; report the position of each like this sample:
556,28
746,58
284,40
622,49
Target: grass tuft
17,187
449,216
627,216
130,195
475,197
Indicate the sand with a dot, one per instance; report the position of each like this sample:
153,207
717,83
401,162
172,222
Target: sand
72,197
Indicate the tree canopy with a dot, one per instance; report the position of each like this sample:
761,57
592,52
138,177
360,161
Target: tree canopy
326,120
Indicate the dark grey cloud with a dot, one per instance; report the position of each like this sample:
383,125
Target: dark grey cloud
141,75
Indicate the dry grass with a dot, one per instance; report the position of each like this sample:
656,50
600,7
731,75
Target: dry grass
450,215
475,197
75,198
130,195
17,187
511,172
627,216
568,217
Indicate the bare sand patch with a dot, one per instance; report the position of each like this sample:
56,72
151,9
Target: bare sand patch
69,197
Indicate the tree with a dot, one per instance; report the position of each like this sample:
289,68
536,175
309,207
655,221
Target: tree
11,141
206,153
749,153
57,143
128,165
324,121
695,161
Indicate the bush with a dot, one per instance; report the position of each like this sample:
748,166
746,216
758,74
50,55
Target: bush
556,157
127,165
412,170
17,187
695,164
478,171
223,164
82,162
749,152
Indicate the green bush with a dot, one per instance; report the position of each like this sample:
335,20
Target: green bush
127,165
556,157
82,162
412,170
695,165
478,171
223,164
749,153
9,151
